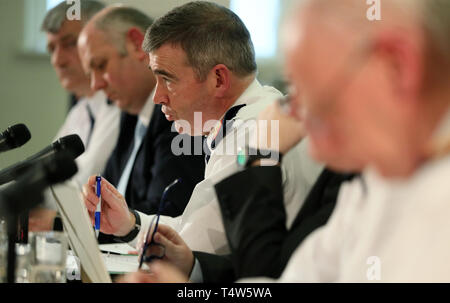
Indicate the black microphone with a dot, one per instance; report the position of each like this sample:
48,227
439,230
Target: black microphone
26,192
13,137
71,144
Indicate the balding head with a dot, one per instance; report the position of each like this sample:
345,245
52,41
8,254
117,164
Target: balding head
115,22
110,48
364,86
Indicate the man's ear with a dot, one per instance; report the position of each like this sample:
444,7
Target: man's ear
135,37
404,57
221,78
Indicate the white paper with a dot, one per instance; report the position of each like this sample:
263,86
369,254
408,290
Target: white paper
80,232
120,264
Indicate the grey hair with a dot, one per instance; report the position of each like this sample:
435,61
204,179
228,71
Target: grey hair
55,17
209,34
118,20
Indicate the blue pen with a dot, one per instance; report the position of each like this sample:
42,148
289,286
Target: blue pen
98,180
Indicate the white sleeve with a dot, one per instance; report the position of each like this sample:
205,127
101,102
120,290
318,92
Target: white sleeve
146,220
196,274
102,143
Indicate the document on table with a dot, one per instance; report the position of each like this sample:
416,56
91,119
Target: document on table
121,264
78,227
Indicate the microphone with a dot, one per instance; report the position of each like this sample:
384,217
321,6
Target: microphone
13,137
71,144
26,192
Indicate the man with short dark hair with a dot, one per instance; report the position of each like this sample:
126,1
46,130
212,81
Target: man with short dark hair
143,163
204,62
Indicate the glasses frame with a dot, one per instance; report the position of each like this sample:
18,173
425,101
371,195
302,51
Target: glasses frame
150,236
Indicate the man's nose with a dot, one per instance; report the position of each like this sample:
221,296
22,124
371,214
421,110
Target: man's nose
59,58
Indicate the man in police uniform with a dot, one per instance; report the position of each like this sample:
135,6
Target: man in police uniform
209,79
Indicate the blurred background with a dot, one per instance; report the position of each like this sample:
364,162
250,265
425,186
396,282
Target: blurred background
29,89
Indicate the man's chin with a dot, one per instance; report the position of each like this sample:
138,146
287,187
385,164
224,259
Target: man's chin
67,85
181,127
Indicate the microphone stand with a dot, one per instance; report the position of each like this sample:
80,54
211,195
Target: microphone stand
12,223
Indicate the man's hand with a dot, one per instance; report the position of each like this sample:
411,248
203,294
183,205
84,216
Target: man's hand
116,219
160,272
177,252
290,130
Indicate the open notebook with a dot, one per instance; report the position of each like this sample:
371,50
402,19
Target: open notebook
82,238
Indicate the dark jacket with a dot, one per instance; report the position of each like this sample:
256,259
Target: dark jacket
255,223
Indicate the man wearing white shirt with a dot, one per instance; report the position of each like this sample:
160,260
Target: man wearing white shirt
92,117
197,79
392,116
142,164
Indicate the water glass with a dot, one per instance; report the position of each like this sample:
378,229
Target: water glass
48,257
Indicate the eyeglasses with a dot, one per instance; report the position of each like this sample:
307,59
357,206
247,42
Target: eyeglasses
151,249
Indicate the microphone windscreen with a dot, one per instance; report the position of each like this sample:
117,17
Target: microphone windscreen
60,167
72,144
19,135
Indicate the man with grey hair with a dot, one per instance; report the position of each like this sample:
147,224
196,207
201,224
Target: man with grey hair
143,164
92,117
204,62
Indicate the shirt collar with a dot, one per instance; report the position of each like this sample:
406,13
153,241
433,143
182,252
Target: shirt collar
147,110
95,102
249,96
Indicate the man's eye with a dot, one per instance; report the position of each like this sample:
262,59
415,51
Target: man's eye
100,66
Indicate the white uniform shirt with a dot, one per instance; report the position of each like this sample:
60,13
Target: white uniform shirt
103,138
201,225
382,231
